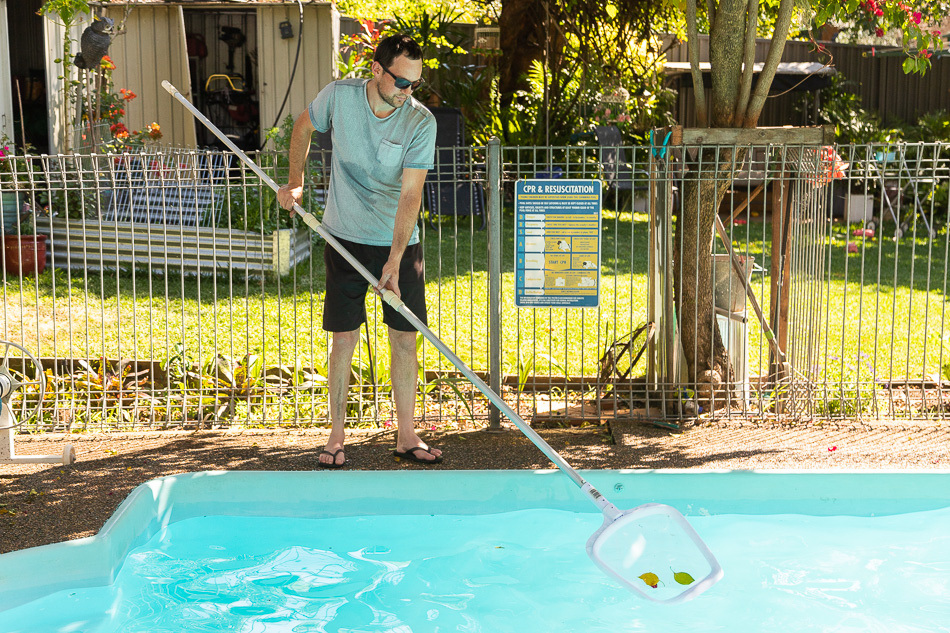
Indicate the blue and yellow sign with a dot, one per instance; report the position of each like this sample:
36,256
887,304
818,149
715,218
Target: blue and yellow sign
557,243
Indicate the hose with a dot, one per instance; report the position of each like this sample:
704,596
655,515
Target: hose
293,71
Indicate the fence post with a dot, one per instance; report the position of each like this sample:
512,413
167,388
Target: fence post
494,276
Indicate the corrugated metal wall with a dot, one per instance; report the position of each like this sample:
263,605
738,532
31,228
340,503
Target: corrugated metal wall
151,50
880,81
154,48
315,68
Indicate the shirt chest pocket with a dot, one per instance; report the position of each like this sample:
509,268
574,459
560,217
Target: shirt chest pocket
389,153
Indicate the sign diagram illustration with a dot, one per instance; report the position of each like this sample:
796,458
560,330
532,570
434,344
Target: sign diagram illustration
557,243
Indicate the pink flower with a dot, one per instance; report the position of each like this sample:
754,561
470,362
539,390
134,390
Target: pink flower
916,17
879,12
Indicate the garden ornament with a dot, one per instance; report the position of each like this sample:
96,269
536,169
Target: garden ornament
94,43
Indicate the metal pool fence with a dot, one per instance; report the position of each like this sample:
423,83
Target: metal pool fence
172,292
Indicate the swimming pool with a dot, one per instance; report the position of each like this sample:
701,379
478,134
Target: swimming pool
491,551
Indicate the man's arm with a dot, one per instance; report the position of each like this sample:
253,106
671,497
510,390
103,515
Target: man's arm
407,214
292,192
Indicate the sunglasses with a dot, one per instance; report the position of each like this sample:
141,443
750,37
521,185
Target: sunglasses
401,82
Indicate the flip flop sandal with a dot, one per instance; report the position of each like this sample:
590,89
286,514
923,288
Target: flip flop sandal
410,455
333,464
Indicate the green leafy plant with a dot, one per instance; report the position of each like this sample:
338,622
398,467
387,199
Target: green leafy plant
356,51
525,367
19,182
106,109
854,124
17,171
105,386
369,381
254,207
433,387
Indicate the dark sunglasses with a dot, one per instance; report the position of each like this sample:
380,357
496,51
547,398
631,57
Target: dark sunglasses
401,82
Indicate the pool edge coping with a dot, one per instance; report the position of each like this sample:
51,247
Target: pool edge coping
95,560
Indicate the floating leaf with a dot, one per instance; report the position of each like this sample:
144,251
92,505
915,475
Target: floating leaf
650,579
683,578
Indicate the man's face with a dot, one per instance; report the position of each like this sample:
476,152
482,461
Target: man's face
402,67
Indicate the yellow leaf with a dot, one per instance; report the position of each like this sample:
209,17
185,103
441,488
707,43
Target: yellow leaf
650,579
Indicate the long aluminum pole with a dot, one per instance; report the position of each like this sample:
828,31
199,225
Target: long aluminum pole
390,297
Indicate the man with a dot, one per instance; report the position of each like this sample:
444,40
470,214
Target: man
383,146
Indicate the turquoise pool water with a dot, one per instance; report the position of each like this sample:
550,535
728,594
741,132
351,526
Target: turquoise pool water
512,569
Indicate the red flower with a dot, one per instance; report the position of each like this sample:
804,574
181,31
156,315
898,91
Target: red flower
879,32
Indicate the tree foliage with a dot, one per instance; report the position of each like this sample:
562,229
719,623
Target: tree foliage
737,101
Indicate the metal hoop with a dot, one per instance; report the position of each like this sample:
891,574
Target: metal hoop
9,382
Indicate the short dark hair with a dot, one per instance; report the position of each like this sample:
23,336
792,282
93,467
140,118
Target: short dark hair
395,45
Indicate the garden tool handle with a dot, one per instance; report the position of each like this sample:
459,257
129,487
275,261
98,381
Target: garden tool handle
737,266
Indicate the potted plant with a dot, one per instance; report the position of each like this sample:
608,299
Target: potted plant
24,252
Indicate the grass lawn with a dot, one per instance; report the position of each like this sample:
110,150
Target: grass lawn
869,315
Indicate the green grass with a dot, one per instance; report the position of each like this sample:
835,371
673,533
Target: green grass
865,324
872,315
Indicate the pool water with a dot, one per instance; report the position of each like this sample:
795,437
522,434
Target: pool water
521,571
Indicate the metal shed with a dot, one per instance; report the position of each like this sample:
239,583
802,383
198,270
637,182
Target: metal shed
155,46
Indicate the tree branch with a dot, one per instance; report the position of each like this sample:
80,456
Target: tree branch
692,48
776,48
748,61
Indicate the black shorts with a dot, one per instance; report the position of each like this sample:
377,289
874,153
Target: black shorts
344,307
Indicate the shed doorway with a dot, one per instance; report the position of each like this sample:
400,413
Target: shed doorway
223,62
25,110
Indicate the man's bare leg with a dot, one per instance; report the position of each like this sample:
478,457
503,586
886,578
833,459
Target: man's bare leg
341,364
405,374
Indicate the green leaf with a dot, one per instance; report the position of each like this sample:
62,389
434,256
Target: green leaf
611,10
909,66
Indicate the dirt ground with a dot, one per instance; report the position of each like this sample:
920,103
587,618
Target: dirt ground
43,503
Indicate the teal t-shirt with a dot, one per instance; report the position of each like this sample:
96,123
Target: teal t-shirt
369,155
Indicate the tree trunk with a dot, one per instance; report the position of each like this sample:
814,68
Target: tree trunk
521,29
704,188
732,103
527,31
707,181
